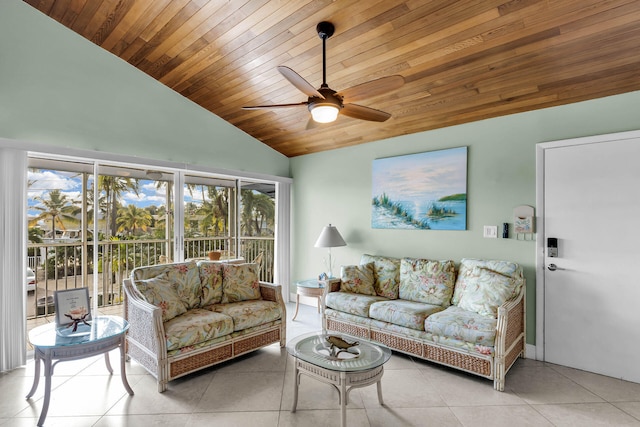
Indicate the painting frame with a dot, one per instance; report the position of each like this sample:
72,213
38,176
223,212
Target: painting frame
421,191
69,301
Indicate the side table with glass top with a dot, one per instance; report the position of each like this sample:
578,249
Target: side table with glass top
357,366
309,288
103,334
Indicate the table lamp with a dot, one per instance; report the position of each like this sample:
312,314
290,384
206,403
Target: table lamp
330,238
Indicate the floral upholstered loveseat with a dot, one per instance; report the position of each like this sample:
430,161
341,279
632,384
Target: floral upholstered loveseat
186,316
471,318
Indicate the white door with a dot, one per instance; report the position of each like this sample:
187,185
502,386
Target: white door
592,299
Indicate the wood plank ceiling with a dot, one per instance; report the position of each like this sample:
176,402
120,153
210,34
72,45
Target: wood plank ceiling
462,60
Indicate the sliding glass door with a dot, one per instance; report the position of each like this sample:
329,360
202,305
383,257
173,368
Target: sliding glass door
91,223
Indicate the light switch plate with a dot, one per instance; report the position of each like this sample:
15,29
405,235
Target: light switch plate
491,231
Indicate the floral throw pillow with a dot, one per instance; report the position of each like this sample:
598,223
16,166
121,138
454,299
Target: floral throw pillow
487,292
358,279
240,283
211,279
160,291
424,280
386,274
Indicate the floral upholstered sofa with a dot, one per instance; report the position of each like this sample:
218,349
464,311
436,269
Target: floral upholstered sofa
186,316
471,318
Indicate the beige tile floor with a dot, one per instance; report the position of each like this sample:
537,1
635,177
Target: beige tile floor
256,390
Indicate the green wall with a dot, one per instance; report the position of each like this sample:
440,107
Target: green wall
57,88
335,187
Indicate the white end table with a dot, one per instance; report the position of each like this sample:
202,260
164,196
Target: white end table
309,288
105,333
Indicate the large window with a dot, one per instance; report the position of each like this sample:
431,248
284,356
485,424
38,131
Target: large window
91,224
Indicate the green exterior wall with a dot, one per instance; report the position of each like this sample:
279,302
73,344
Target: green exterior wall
57,88
335,187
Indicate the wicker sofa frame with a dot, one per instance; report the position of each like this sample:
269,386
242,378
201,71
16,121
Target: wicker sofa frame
509,342
146,339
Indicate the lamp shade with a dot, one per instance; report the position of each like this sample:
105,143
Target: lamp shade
330,238
324,113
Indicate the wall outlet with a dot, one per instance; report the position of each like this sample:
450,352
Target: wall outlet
491,231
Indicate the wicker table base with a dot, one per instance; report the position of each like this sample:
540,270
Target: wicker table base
343,381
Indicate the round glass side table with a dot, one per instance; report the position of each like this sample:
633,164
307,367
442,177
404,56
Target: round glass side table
309,288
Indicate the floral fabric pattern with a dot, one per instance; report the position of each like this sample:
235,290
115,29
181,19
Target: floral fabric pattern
423,280
465,274
240,283
487,292
455,323
196,326
211,280
347,302
404,313
357,279
184,276
160,291
386,274
247,314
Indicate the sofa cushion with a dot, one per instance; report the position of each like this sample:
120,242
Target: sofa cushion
196,326
348,302
404,313
458,324
160,291
465,274
247,314
386,274
487,292
357,279
211,280
184,276
240,283
424,280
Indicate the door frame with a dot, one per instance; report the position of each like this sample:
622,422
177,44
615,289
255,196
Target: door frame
540,247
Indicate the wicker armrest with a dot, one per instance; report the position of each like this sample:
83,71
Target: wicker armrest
333,285
145,321
510,322
271,292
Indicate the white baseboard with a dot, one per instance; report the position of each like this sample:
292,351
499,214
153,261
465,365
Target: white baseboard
531,351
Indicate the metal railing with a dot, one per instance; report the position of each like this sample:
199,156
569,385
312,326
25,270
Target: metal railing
61,266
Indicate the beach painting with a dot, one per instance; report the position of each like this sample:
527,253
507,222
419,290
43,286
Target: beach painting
424,191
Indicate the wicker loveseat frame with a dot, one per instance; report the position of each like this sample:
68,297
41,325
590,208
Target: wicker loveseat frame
146,338
509,341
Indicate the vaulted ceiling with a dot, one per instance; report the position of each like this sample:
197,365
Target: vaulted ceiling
461,60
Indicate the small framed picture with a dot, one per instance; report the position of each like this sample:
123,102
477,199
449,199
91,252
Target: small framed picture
72,307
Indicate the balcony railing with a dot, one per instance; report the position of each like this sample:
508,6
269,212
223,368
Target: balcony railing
61,266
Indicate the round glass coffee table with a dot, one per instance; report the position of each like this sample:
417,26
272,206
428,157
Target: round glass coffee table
105,333
347,364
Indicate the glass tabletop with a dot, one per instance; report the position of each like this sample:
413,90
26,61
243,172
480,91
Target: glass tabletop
310,283
99,328
338,352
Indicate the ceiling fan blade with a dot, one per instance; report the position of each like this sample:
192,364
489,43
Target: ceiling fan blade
301,84
274,106
372,88
364,113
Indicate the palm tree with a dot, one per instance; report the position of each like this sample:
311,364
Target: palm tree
257,208
57,207
132,219
114,186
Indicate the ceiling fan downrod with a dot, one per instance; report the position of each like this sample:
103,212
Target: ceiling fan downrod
325,30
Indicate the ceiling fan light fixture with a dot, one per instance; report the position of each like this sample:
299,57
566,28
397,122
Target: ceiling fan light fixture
324,113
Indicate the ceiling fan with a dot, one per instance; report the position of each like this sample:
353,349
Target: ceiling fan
325,103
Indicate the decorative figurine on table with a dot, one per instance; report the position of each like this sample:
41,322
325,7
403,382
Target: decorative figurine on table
77,315
323,276
338,345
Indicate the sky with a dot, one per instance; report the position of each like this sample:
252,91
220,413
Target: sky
70,184
423,176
